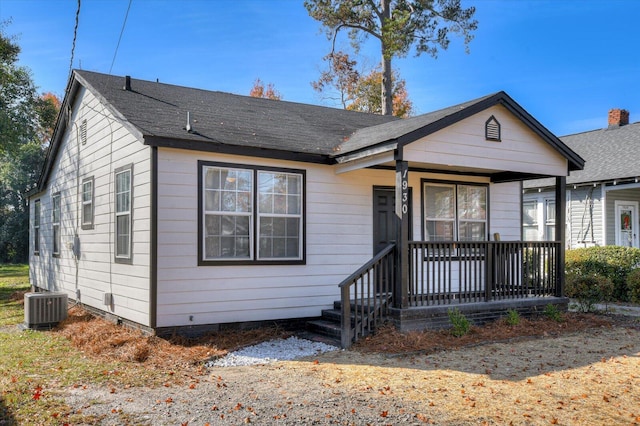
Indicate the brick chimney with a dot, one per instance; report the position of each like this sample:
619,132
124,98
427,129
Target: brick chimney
618,117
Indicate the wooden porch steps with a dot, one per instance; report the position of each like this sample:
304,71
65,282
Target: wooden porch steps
329,325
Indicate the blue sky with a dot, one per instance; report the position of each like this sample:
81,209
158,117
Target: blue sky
567,62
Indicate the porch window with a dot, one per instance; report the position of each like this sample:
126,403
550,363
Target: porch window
530,220
250,214
87,203
550,220
55,222
36,227
455,212
123,178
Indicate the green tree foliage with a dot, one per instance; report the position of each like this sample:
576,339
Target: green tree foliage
399,26
359,91
26,125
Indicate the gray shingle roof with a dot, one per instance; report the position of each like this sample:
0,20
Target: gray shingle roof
160,110
610,153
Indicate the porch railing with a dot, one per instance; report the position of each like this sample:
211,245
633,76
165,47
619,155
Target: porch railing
464,272
366,296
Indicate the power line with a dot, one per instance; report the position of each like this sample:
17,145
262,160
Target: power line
120,38
75,34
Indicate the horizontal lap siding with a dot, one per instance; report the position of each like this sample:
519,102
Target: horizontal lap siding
505,210
109,146
464,145
339,222
338,241
585,216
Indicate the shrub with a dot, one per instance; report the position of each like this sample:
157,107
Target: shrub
633,286
513,317
614,262
589,290
553,313
461,325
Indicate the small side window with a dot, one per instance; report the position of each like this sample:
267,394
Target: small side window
55,221
87,203
36,227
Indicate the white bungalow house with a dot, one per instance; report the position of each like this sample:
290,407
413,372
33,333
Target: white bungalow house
602,200
173,208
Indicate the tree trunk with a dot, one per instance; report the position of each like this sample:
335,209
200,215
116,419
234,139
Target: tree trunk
387,96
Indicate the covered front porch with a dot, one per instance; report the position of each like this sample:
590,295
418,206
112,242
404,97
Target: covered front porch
455,239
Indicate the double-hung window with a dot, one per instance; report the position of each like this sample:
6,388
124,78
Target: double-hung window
530,220
55,222
36,227
123,235
550,220
87,203
250,214
455,212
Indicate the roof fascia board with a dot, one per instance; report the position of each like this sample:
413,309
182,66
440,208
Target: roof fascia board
364,162
236,150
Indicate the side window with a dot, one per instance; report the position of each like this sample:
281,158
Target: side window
36,227
87,203
530,220
550,220
123,208
55,222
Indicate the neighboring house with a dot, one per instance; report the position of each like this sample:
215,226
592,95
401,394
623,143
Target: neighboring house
173,208
602,200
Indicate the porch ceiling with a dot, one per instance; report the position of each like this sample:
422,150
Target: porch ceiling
385,160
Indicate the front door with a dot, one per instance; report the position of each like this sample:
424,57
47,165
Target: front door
384,217
626,223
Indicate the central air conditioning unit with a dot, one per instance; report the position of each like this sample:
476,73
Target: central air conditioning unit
43,310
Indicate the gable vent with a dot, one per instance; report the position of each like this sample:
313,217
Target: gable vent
83,132
492,129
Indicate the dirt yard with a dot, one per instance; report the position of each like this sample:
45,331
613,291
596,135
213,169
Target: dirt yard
586,372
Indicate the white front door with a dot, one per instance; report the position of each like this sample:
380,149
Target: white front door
627,223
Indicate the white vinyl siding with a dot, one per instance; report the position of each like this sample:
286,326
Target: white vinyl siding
110,146
338,226
463,145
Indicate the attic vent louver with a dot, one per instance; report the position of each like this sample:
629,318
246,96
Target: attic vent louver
83,132
492,129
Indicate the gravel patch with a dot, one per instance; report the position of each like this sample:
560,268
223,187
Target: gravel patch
271,351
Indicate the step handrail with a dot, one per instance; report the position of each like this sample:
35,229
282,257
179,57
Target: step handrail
372,285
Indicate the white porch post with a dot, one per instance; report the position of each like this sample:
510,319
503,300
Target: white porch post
401,288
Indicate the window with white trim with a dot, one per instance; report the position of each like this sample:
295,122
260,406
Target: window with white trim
455,212
530,220
36,227
250,214
123,207
55,222
87,203
550,220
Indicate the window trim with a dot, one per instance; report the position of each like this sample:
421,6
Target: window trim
120,258
456,220
56,204
37,208
254,237
84,224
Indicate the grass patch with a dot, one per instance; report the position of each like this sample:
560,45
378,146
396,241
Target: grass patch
14,283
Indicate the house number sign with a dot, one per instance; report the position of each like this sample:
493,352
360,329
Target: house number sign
402,189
